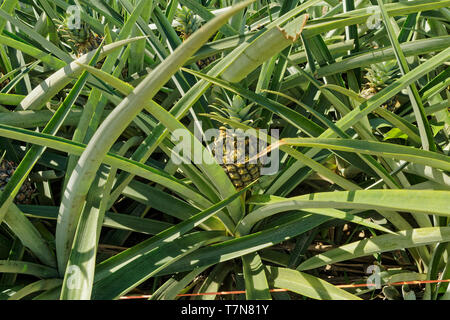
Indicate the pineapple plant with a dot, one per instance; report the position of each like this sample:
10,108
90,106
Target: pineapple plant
238,150
188,24
139,224
25,195
81,40
378,77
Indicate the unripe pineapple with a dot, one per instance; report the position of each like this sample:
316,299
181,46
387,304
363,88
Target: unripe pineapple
236,155
239,151
379,76
26,191
81,40
189,22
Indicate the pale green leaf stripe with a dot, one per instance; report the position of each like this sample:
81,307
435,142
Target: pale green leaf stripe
388,242
427,172
34,153
40,285
23,267
112,284
387,150
306,285
321,169
237,247
85,243
52,294
399,122
10,99
256,286
405,8
113,126
29,235
219,46
122,163
137,51
171,288
112,220
265,211
39,118
156,241
58,80
46,58
88,234
61,54
420,201
127,257
122,86
214,280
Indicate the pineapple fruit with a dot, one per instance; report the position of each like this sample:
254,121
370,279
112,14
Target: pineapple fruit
26,191
80,40
238,150
189,22
378,77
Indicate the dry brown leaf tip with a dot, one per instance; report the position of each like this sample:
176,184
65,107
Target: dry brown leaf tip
294,38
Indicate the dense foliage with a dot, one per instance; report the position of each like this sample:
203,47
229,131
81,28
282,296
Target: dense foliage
348,101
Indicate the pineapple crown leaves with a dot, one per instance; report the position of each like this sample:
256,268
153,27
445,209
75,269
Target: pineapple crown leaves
76,35
80,40
382,74
189,22
80,31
